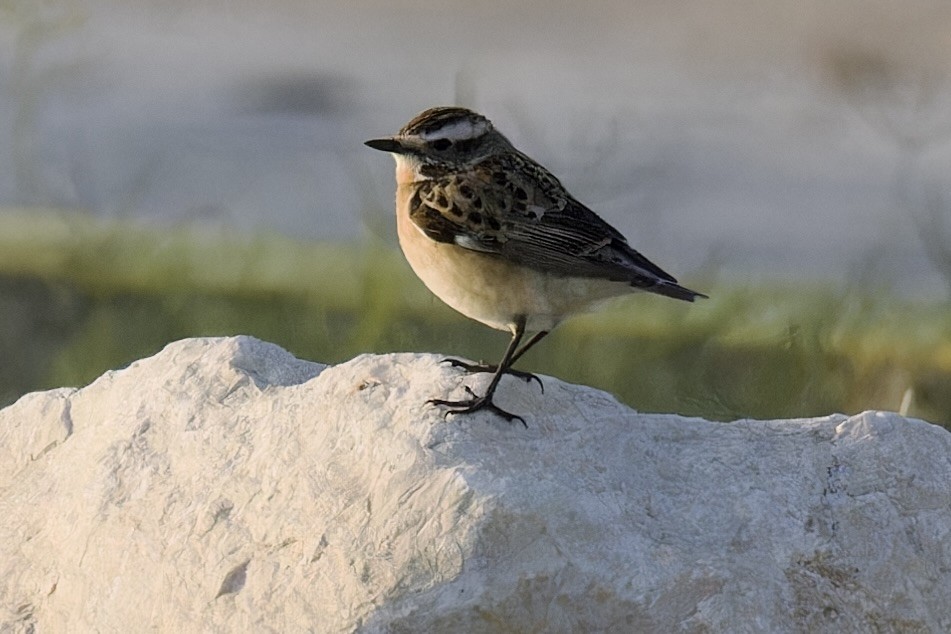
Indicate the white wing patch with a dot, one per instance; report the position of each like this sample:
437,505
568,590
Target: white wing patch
468,242
537,210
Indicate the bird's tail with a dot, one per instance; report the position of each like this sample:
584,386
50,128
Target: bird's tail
672,289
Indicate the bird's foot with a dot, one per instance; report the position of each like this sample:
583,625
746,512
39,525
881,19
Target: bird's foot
474,404
474,368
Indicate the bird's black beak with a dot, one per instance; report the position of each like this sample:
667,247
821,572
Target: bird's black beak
386,144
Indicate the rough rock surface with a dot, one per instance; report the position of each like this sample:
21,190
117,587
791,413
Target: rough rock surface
225,486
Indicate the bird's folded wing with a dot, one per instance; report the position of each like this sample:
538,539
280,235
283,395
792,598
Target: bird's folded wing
531,222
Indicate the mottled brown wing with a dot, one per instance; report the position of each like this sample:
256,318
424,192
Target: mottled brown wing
512,207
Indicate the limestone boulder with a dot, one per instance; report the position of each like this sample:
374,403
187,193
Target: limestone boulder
224,486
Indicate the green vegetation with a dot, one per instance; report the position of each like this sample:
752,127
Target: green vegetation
79,296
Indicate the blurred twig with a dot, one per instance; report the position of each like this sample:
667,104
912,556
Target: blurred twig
910,105
37,23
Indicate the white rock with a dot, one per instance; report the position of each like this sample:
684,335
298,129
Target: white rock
224,486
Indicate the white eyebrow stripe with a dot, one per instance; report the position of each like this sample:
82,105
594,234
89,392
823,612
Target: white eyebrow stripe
458,131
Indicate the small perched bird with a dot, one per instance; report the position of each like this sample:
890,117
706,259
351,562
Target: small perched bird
494,235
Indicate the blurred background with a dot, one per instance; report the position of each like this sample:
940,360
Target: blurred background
174,169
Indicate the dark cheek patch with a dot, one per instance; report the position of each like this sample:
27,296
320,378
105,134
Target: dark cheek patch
464,145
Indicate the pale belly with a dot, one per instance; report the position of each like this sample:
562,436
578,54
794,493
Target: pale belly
494,292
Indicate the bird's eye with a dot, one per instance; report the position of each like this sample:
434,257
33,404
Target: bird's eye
442,144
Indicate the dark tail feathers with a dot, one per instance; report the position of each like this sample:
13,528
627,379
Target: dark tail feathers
671,289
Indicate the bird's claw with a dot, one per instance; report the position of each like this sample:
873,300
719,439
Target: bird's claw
474,404
474,368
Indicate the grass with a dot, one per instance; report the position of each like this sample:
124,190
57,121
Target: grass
79,296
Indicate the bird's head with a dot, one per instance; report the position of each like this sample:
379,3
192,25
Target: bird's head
444,138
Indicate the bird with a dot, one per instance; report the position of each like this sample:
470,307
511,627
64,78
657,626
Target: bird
498,238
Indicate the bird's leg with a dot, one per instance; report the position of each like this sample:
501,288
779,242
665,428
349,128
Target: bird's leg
482,367
531,342
476,403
